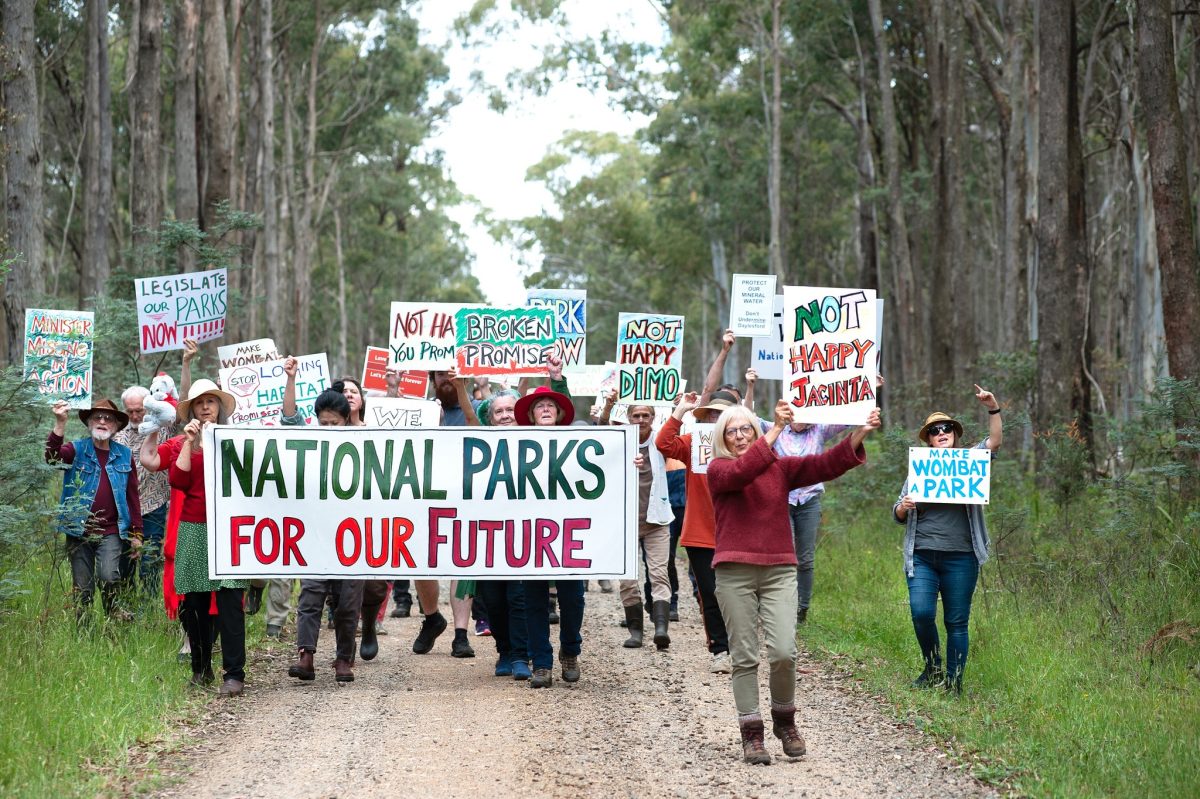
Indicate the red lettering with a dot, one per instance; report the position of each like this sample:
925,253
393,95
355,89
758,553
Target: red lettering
293,531
260,553
489,527
456,553
515,561
402,530
348,527
236,539
546,532
436,538
571,544
442,326
373,560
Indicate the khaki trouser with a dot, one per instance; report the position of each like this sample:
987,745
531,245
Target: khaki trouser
747,595
657,545
279,597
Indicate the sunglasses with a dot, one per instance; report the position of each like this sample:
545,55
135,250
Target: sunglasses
103,417
941,427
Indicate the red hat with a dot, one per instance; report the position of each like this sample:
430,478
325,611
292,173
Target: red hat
525,405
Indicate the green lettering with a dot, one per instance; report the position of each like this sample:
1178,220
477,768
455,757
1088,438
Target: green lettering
406,475
430,492
377,472
301,447
242,468
471,467
809,317
557,461
345,451
529,455
271,470
588,466
501,471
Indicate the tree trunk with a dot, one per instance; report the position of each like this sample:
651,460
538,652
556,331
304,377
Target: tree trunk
343,353
1063,268
272,282
775,166
1173,222
250,170
145,157
97,153
187,187
22,173
218,119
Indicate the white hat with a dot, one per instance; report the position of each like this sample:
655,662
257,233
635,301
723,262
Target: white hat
200,388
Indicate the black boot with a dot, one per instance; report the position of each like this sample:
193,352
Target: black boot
553,609
932,676
369,646
660,613
633,620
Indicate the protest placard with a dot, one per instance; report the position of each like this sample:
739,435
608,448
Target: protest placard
58,354
592,380
620,413
570,322
650,352
258,389
702,447
260,350
421,335
487,502
174,307
413,383
766,352
750,305
401,413
503,341
830,368
950,475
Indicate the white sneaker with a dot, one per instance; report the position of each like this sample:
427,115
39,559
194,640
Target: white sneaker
721,664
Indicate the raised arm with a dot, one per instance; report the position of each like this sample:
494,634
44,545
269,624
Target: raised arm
669,442
148,455
190,350
290,367
995,425
464,399
717,370
751,379
610,399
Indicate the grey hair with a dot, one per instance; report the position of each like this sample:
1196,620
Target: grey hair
734,413
133,392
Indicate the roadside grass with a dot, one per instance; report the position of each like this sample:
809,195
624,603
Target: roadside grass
1068,690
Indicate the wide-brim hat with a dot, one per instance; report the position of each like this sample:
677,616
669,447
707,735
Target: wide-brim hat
104,405
199,389
718,401
934,418
526,403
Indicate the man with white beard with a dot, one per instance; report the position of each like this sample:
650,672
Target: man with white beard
101,513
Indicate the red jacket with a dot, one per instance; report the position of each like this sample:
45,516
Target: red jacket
750,499
699,523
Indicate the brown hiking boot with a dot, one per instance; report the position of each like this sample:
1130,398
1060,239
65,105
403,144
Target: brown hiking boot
753,750
784,728
343,670
570,667
303,669
231,687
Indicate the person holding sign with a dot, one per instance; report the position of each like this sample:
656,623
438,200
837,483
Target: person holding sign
944,546
755,559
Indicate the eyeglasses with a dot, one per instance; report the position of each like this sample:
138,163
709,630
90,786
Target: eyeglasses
941,427
104,417
738,432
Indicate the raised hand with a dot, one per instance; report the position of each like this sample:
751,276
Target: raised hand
783,413
554,365
60,410
751,376
688,402
728,340
190,350
291,366
986,397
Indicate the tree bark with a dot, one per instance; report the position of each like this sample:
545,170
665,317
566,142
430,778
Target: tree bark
1173,221
187,187
272,282
145,157
775,166
97,153
23,202
1063,267
218,119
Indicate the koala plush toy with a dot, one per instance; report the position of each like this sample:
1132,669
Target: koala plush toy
160,405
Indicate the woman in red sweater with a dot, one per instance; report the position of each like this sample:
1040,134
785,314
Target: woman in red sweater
755,559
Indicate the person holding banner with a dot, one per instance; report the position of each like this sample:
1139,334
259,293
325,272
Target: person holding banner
944,546
755,559
205,404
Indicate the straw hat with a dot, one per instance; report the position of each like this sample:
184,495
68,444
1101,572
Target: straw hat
524,404
718,401
200,388
104,405
934,418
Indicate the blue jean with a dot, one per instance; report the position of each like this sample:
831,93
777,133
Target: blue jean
150,564
537,615
953,575
504,601
95,558
806,518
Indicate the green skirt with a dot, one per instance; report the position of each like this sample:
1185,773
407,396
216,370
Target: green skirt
191,562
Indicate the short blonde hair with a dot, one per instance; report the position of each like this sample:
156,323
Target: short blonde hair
735,415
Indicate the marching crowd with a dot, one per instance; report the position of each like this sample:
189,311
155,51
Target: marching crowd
133,500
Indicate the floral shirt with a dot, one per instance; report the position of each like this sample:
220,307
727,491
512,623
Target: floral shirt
152,486
811,441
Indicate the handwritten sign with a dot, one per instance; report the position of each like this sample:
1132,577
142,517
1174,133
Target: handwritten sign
750,305
592,380
492,502
499,341
58,354
570,321
402,413
950,475
422,335
260,350
830,368
767,351
176,307
413,383
650,352
258,389
702,447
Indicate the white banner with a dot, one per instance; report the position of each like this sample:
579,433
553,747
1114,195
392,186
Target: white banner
258,389
402,413
421,335
702,440
260,350
767,351
750,305
536,503
950,475
174,307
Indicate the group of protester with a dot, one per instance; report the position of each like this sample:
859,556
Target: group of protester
136,492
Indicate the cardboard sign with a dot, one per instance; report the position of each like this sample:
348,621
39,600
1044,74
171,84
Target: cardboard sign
258,389
830,343
650,352
591,380
503,341
702,446
260,350
950,475
539,503
767,351
398,413
422,335
413,383
570,322
174,307
750,305
58,354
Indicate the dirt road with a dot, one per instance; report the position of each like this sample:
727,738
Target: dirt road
640,723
